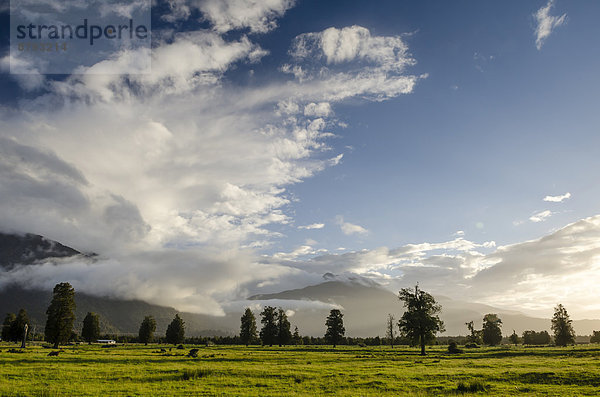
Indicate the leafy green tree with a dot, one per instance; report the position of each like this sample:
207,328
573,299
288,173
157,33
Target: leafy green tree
284,335
420,322
514,338
595,338
248,327
562,327
390,331
269,330
8,328
335,327
19,325
60,314
492,334
296,338
175,331
91,327
475,336
147,329
536,338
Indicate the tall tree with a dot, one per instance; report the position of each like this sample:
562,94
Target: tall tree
268,332
147,329
595,338
248,327
390,332
335,327
514,338
475,336
492,334
19,325
562,327
284,335
296,338
8,328
61,314
175,331
91,327
420,322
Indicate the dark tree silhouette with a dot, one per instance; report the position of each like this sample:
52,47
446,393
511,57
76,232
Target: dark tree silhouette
91,328
175,331
268,332
536,338
248,327
335,327
19,325
390,332
492,334
284,335
420,322
562,327
8,329
296,338
514,338
475,336
595,338
147,329
60,315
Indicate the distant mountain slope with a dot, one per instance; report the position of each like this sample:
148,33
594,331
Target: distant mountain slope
28,248
116,315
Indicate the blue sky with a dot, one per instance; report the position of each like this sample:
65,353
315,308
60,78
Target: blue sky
275,141
496,126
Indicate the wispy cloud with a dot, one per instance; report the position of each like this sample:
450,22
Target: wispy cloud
546,23
312,226
541,216
350,228
558,199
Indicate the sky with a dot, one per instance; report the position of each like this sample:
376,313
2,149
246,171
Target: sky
451,144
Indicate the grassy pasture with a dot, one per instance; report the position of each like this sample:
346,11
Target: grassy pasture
305,370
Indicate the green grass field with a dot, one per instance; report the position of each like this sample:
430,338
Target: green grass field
309,370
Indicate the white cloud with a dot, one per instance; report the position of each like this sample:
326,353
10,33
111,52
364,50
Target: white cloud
349,228
322,109
312,226
541,216
558,199
546,23
259,16
356,64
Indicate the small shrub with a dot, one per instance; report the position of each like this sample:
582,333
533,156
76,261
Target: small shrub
191,374
180,347
15,351
472,345
193,353
473,386
453,349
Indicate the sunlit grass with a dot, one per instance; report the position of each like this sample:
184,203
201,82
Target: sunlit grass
309,370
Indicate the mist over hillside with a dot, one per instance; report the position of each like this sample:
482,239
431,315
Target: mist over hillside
365,304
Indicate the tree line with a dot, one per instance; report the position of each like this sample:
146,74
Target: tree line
418,326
